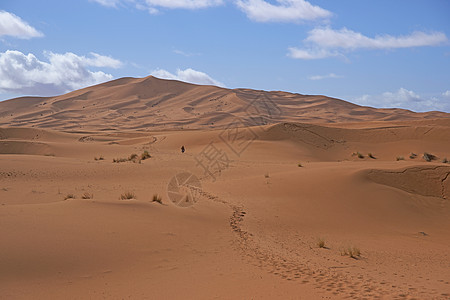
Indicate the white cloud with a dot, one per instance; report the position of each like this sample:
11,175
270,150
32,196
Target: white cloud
406,99
12,25
285,11
320,77
446,94
153,5
26,74
188,75
326,42
108,3
187,54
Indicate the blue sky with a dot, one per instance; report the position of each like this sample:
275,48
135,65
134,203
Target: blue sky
376,53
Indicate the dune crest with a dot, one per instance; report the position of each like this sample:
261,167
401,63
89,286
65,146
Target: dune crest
156,104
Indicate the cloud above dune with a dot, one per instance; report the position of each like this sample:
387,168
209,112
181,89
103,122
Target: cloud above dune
25,74
284,11
327,76
327,42
407,99
12,25
188,75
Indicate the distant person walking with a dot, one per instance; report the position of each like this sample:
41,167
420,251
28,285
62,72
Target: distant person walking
182,149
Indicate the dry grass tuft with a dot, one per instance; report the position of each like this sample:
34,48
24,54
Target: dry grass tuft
429,157
321,243
352,252
87,196
372,156
145,155
157,198
69,196
128,196
400,158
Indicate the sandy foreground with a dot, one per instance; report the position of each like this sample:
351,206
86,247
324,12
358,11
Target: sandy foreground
242,213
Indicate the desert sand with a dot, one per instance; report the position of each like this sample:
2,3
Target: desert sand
278,195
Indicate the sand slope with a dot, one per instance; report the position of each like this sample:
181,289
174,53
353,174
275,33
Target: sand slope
151,103
253,231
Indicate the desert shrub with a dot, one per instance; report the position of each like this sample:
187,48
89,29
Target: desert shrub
157,198
359,155
352,252
445,160
412,156
266,175
321,243
400,158
428,157
371,156
99,158
133,157
119,160
300,165
128,196
69,196
87,196
145,155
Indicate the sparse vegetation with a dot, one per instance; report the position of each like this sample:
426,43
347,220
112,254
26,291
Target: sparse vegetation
428,157
157,198
352,252
99,158
321,243
128,196
69,196
266,175
300,165
359,155
133,157
87,196
372,156
445,160
145,155
412,156
119,160
400,158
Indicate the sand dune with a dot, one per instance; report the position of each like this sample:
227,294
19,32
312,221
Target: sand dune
245,224
156,104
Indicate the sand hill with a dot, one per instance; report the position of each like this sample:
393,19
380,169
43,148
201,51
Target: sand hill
156,104
328,200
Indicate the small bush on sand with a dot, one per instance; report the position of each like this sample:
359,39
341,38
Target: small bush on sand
371,156
400,158
445,160
359,155
128,196
99,158
352,252
300,165
133,157
157,198
87,196
69,196
412,156
321,243
428,157
119,160
266,175
145,155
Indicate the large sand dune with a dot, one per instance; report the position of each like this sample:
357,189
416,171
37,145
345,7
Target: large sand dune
250,228
156,104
